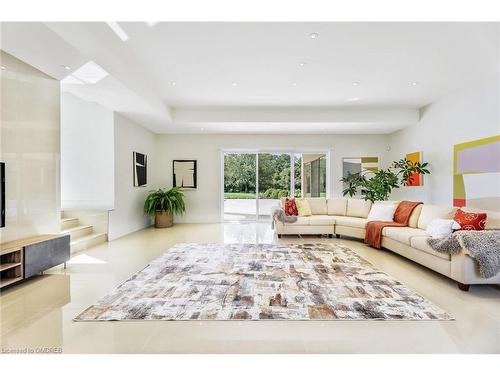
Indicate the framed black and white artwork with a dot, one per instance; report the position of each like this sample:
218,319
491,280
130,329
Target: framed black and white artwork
185,174
140,169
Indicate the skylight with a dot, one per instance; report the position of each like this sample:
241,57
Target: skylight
70,80
89,73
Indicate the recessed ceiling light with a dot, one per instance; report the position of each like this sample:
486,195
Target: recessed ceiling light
66,67
90,73
3,67
314,35
151,24
303,63
294,84
118,30
414,83
234,84
356,83
173,83
352,99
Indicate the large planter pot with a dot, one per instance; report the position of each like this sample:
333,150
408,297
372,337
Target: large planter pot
163,219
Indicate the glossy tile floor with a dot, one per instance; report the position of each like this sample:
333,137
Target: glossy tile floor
39,312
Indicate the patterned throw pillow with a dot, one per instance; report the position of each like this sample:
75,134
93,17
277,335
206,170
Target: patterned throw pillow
470,220
291,207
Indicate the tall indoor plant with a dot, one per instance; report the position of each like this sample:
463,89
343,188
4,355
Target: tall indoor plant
379,187
163,204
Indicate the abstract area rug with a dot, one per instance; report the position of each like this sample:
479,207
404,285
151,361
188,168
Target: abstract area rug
261,281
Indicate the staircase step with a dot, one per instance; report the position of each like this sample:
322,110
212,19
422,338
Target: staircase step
69,222
78,231
88,241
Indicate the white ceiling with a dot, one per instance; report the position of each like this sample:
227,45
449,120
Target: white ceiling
254,68
264,60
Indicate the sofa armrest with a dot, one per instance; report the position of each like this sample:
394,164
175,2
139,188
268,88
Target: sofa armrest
465,269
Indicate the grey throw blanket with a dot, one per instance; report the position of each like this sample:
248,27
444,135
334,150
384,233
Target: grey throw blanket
279,214
483,245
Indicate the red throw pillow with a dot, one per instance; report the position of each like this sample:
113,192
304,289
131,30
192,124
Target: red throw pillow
291,207
470,220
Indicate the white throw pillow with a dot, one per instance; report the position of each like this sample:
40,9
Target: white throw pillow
382,212
441,228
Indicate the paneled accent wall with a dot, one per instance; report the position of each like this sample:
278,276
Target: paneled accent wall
29,146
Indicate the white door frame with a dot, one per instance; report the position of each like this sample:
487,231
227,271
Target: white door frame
284,150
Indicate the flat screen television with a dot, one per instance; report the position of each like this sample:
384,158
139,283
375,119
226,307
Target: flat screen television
2,195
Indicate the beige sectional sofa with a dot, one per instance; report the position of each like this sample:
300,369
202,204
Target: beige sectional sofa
348,217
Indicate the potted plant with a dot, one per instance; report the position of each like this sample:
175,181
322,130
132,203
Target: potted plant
163,204
379,187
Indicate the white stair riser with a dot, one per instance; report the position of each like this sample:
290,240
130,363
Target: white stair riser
86,244
82,236
67,224
80,233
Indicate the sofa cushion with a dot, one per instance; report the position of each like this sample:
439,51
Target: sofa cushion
381,211
291,207
441,228
403,234
492,218
336,206
387,202
321,220
420,243
303,207
301,220
430,211
318,206
358,208
470,220
415,214
347,221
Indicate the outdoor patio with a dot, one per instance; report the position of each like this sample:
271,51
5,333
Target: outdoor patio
245,209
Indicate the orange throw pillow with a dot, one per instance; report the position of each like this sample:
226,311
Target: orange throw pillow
291,207
470,220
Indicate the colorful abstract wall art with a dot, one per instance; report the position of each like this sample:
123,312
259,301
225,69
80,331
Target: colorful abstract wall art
476,174
367,165
364,164
416,179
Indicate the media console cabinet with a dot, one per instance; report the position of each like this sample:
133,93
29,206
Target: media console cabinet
24,258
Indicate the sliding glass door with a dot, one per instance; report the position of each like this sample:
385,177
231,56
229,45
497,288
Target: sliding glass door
240,186
313,174
255,181
273,181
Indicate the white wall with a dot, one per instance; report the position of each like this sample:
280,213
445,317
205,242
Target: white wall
203,204
458,117
29,146
87,155
128,215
